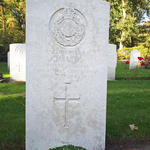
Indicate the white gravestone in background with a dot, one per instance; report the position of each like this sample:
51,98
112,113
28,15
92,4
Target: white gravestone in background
18,62
66,79
134,61
112,61
8,60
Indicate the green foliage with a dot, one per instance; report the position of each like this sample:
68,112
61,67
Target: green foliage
2,54
3,68
12,24
125,52
68,147
144,36
124,21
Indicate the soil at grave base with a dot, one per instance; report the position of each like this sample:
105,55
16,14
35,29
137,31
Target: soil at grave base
4,81
128,145
133,78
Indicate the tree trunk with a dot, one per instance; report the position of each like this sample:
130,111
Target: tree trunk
124,18
121,45
3,20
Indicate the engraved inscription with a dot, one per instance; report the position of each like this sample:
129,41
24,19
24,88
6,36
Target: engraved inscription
67,100
67,26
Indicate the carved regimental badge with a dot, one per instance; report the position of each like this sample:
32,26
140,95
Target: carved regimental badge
67,26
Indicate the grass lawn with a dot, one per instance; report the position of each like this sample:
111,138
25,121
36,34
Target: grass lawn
123,72
128,103
12,116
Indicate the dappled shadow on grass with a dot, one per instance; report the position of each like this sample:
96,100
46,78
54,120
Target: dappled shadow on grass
12,126
8,145
134,78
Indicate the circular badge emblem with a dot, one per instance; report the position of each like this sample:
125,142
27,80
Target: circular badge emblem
67,26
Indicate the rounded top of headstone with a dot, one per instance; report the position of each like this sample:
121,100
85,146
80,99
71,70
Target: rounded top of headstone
18,48
135,51
18,44
68,26
113,46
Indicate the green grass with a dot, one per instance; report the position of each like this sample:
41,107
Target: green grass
12,116
128,103
123,72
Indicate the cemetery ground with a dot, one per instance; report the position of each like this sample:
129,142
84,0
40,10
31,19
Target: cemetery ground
128,103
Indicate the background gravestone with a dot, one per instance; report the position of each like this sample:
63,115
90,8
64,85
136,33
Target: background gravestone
8,60
134,62
18,62
112,61
66,79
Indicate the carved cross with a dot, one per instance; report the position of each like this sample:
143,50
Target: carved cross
67,100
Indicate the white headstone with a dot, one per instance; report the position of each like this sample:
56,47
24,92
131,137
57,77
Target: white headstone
8,60
18,62
112,61
134,62
66,79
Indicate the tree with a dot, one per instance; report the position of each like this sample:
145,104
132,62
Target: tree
125,18
144,36
12,22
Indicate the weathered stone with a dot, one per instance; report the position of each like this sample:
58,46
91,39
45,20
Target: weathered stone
112,61
66,79
8,60
18,62
134,61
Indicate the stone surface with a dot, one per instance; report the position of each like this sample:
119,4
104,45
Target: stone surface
8,60
66,79
134,62
18,62
112,61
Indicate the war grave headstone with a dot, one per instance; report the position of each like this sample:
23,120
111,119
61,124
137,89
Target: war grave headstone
112,61
66,73
134,61
8,60
18,62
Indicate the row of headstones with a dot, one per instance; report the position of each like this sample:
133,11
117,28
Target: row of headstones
69,62
17,61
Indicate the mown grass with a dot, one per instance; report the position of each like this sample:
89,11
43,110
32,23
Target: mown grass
123,72
12,116
128,103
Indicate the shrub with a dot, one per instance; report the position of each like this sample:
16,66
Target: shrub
125,52
3,54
